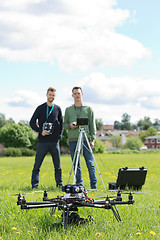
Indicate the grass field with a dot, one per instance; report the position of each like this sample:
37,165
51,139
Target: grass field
139,221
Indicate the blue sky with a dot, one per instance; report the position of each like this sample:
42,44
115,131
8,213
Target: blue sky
109,47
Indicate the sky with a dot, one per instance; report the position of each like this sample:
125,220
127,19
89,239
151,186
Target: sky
108,47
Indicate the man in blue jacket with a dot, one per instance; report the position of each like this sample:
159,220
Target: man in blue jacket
48,122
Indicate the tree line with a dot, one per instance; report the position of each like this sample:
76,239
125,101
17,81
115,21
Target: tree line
142,124
124,124
19,139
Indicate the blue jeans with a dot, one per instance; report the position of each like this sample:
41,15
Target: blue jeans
89,162
42,150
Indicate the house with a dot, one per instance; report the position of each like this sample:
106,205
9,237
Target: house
152,142
106,140
105,136
108,127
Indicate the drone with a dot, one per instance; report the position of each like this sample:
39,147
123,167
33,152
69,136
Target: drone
75,197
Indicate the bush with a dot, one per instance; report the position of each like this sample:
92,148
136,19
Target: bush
98,146
149,132
133,143
27,152
126,151
12,152
17,135
64,139
116,141
17,152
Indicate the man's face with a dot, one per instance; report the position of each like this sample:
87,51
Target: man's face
51,96
77,94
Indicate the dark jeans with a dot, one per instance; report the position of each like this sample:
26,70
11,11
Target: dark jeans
42,150
89,162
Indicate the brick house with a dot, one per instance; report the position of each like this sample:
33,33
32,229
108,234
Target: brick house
152,142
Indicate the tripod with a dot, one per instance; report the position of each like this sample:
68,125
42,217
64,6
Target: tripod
79,146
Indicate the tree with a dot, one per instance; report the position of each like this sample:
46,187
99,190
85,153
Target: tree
99,124
117,125
9,121
149,132
145,123
17,135
2,120
133,143
156,122
116,141
24,122
125,124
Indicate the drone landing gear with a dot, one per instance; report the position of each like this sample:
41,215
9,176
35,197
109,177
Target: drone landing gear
116,213
73,218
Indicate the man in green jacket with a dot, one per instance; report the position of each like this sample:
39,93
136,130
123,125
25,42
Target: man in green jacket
78,110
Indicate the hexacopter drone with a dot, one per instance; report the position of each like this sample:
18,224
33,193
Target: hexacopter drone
75,197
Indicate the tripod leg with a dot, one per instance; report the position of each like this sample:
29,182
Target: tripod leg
90,149
76,157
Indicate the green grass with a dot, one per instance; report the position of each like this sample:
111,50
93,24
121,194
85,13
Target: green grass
142,217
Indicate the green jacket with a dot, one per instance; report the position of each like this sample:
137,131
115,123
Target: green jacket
71,115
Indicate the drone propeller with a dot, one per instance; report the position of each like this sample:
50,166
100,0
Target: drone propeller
98,197
23,194
104,197
38,191
92,190
134,192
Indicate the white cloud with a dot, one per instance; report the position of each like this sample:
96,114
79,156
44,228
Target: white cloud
24,99
109,113
22,104
121,90
80,35
111,97
19,4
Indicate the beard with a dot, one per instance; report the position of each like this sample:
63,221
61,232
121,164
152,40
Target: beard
50,100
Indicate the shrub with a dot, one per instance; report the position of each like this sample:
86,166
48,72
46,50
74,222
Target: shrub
12,152
116,141
98,146
17,135
133,143
17,152
149,132
27,152
64,139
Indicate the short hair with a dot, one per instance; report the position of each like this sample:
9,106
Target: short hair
51,89
76,88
